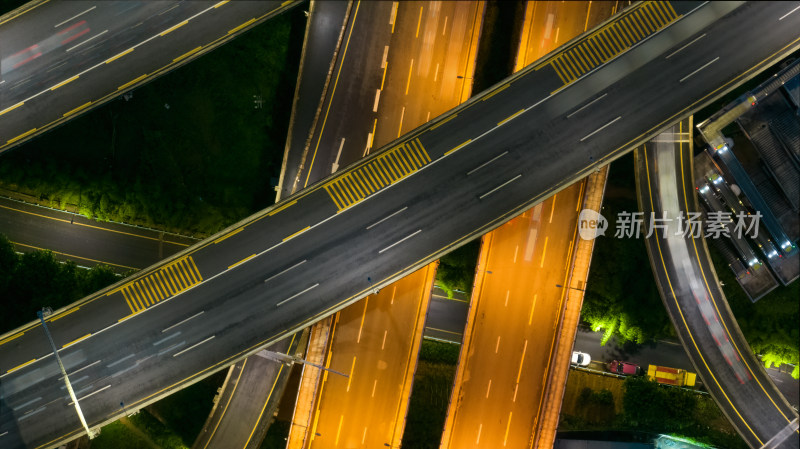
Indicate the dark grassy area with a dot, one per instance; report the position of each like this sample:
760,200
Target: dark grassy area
188,152
34,280
457,269
10,5
427,408
621,295
498,47
276,436
186,411
651,409
118,436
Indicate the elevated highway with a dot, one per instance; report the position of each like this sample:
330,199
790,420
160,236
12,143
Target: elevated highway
694,300
61,59
400,208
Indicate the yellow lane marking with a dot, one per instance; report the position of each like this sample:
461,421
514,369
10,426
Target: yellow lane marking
187,54
62,315
167,31
438,124
20,366
25,11
79,108
11,108
442,330
241,26
6,340
278,209
22,136
131,83
271,390
230,398
221,3
458,147
114,58
282,5
419,21
333,92
73,256
230,234
77,340
297,233
161,284
680,310
242,261
64,82
510,117
708,287
387,168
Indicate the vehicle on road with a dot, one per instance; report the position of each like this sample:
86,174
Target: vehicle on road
581,358
624,368
671,376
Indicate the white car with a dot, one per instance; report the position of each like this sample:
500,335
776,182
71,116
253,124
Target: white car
581,359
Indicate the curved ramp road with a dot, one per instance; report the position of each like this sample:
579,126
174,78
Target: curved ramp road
371,223
60,59
696,304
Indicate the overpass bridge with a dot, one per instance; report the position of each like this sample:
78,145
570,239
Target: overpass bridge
320,250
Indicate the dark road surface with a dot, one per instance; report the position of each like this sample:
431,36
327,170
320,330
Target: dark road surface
318,251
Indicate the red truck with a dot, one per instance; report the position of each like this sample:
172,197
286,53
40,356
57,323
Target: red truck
624,368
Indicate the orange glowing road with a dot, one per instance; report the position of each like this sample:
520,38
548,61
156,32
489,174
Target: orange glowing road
498,396
376,341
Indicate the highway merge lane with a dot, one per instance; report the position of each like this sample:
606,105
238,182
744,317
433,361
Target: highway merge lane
312,254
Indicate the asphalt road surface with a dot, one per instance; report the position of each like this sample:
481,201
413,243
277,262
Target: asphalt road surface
85,242
666,353
301,260
62,58
694,300
508,355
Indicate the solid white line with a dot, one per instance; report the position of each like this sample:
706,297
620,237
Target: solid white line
6,432
194,346
784,16
79,370
297,294
690,43
181,322
399,241
587,104
74,17
599,129
487,162
701,68
386,218
91,394
87,40
284,271
499,187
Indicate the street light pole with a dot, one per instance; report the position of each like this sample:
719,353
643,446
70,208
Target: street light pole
91,435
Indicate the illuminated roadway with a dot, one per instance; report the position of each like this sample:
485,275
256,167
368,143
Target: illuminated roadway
60,59
690,290
301,260
418,49
508,355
